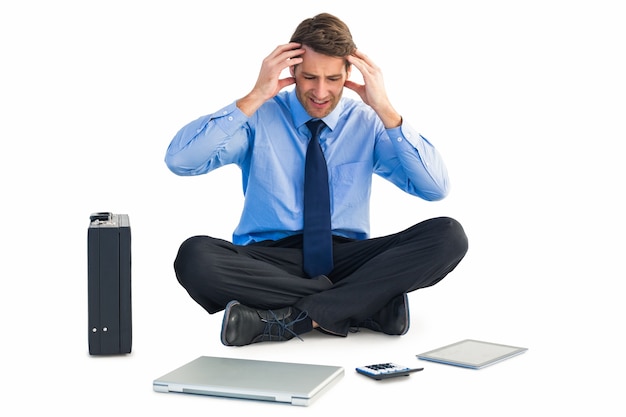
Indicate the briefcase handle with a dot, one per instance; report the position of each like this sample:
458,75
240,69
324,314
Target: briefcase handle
102,216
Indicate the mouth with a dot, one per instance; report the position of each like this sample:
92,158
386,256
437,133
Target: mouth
318,103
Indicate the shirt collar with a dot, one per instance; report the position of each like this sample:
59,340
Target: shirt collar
300,116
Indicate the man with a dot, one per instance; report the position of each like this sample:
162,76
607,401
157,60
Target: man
265,281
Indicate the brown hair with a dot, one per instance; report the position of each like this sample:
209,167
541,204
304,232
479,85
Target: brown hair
325,34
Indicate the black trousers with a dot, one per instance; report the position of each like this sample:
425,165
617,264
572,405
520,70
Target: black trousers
367,273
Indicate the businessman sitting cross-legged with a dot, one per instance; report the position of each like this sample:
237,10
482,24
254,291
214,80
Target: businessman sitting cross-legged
302,257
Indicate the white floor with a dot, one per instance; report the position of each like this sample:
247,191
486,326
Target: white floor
526,102
572,364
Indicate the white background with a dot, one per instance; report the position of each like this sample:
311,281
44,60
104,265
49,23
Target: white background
525,100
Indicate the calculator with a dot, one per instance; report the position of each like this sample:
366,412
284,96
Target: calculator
386,370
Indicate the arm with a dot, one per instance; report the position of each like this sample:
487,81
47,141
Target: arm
411,162
209,142
222,137
407,159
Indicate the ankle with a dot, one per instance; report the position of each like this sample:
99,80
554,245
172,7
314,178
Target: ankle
302,323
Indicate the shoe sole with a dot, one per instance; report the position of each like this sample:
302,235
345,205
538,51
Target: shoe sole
225,320
407,316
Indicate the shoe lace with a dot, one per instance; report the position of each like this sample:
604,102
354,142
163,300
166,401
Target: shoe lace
276,328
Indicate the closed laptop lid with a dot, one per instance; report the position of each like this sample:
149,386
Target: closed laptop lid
294,383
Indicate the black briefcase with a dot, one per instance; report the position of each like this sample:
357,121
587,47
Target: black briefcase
109,284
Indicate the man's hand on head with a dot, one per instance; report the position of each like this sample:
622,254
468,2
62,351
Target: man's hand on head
372,91
269,83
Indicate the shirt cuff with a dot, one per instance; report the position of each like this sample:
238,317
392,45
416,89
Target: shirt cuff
230,118
404,135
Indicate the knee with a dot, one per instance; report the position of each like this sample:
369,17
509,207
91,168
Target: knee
454,237
449,235
189,251
192,258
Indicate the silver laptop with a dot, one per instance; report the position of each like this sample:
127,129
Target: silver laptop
284,382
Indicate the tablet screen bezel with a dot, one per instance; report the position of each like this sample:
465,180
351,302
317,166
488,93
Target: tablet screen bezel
471,353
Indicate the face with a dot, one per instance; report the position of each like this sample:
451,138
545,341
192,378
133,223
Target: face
319,82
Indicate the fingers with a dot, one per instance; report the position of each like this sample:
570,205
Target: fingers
353,86
363,63
285,56
269,82
372,91
284,82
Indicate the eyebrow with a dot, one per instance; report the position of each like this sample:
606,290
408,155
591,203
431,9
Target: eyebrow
308,74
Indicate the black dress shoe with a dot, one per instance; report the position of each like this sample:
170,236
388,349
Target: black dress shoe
392,319
245,325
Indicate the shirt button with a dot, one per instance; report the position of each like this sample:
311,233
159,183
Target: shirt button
399,139
225,112
230,118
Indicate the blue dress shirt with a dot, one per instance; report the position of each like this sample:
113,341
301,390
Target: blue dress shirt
270,148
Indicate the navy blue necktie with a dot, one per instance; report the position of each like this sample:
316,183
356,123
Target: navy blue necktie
317,244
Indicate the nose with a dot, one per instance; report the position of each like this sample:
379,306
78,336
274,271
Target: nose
320,88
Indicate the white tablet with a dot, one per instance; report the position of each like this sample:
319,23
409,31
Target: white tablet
472,354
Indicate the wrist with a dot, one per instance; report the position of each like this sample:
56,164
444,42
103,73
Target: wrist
250,103
390,118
